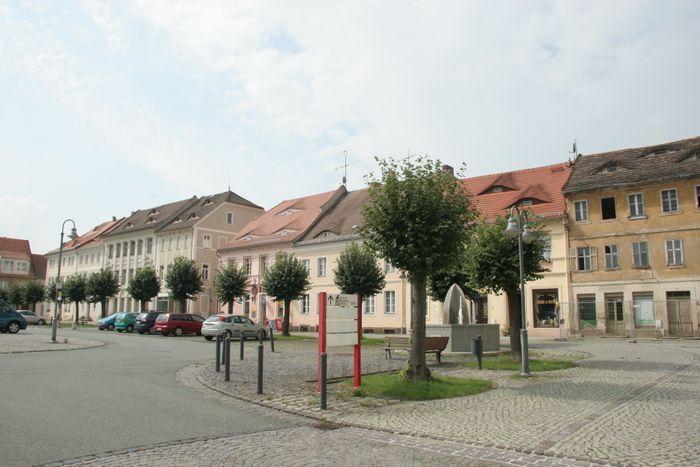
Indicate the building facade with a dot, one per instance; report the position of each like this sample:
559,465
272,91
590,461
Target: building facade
18,265
634,228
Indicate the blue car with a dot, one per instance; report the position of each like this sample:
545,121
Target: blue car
10,320
107,323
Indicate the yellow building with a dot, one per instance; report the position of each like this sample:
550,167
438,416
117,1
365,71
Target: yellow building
634,228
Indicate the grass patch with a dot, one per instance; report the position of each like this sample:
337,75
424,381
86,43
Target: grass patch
280,337
504,362
392,386
372,341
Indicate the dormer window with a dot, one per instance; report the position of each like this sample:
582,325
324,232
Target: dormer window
288,212
129,225
177,219
248,238
207,202
192,216
283,232
496,189
527,202
153,212
150,220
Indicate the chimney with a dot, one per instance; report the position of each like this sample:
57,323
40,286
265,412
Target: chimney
449,169
114,218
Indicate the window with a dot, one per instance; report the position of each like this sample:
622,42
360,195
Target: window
207,241
263,264
636,203
547,250
674,252
139,247
131,274
389,302
161,272
248,265
177,244
607,207
229,218
643,304
586,310
205,272
187,241
162,245
110,251
80,259
669,200
586,258
581,211
640,255
388,267
307,264
368,305
612,259
132,247
322,267
614,308
304,305
697,196
149,246
119,250
122,281
125,245
546,308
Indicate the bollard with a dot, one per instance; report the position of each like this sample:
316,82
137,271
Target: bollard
272,342
241,336
227,358
324,364
218,353
261,335
223,355
476,350
481,351
260,368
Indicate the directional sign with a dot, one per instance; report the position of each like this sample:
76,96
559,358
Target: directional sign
341,320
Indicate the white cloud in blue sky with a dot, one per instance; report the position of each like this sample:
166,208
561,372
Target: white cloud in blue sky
107,107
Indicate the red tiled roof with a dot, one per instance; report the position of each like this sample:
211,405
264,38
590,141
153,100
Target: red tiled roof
541,184
9,246
92,238
39,262
291,216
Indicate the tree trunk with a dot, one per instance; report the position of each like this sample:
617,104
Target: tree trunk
183,305
417,368
77,311
285,321
230,307
143,306
514,318
104,307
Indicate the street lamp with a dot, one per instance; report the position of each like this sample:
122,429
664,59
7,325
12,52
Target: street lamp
520,229
73,235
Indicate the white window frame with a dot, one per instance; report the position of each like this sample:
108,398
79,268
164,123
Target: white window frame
307,264
368,305
674,252
229,218
389,302
672,200
547,250
388,267
205,272
588,254
321,264
612,259
304,304
581,211
640,252
206,241
248,265
638,203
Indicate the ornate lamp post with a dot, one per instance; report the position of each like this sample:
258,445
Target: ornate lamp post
521,229
73,235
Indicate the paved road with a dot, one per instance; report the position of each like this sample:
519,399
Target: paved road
63,405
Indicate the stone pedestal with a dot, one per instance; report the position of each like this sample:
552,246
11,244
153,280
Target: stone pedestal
461,336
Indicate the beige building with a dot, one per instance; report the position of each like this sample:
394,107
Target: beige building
18,265
634,228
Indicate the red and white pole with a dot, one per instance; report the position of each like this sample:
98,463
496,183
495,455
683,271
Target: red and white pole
322,300
357,380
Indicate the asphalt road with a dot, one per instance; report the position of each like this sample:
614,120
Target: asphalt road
62,405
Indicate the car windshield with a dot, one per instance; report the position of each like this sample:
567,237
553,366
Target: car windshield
143,316
213,318
162,317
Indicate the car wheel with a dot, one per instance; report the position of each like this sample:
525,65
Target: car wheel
129,328
110,327
178,331
140,332
41,322
229,334
13,327
101,328
119,330
164,333
208,338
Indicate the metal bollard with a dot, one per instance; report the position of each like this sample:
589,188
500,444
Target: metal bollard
261,335
260,368
272,341
227,357
241,336
217,366
476,350
324,369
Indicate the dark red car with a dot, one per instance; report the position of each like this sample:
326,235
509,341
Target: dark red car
178,324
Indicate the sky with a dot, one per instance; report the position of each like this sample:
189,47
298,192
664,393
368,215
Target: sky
107,107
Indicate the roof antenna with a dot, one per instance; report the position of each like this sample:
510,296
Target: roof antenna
229,177
345,167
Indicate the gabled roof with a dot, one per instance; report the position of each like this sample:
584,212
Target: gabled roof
286,222
90,238
152,218
636,166
542,185
39,265
204,205
15,248
341,221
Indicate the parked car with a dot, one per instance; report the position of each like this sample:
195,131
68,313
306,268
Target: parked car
231,325
10,320
146,321
178,324
31,317
107,322
125,322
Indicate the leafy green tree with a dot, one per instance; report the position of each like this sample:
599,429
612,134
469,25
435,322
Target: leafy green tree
358,272
286,280
183,281
51,290
441,281
417,218
75,291
101,286
144,286
33,292
15,295
494,266
3,294
230,284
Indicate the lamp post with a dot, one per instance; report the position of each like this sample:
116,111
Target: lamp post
516,228
73,235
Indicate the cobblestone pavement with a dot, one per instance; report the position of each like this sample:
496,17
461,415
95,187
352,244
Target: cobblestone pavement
26,342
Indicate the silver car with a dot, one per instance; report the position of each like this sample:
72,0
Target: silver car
231,325
31,317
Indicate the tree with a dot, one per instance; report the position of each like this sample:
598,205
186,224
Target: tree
75,291
358,272
33,293
144,286
51,290
493,263
15,295
230,284
286,280
102,285
184,281
441,281
417,218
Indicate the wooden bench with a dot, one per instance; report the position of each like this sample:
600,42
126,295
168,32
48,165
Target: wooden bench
433,344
